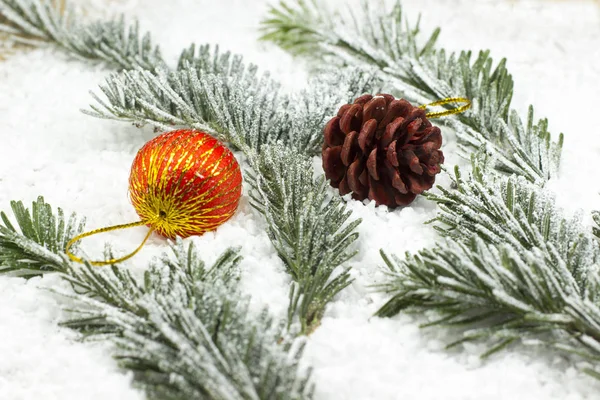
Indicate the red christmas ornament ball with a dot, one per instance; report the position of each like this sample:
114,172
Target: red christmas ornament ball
185,183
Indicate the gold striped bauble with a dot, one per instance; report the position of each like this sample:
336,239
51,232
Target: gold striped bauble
185,183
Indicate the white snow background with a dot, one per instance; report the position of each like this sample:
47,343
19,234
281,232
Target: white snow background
48,147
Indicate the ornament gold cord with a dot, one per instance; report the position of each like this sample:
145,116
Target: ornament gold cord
439,114
108,229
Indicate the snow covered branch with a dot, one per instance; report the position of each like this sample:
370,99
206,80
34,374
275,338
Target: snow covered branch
185,330
511,210
37,247
513,268
370,37
310,230
500,292
217,93
55,21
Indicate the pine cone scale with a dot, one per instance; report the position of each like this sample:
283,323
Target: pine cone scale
349,148
413,128
352,119
333,133
367,133
343,110
395,110
344,188
377,191
353,176
375,109
388,136
382,149
363,99
335,168
372,165
433,141
392,154
413,162
397,181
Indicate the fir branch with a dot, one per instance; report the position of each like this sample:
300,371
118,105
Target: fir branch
311,231
114,42
511,210
185,330
373,37
499,292
217,93
512,267
238,109
10,42
307,27
32,248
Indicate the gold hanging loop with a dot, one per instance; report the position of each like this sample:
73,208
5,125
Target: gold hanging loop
108,229
439,114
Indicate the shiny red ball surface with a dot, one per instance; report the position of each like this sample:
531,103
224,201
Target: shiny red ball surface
185,183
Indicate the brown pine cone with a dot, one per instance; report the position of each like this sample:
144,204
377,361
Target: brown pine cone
382,149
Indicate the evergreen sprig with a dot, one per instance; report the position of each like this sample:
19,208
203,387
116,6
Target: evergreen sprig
499,292
185,330
55,21
512,267
190,98
371,37
33,247
11,39
511,210
310,230
216,92
308,27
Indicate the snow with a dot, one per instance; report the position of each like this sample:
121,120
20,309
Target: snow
82,164
40,360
